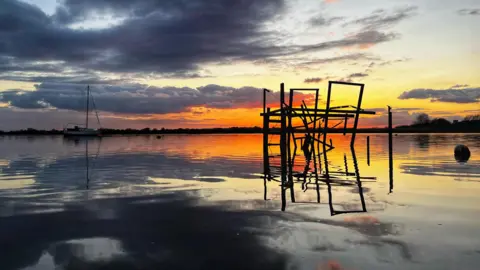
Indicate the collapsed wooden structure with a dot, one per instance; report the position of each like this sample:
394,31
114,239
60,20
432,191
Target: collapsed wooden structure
311,135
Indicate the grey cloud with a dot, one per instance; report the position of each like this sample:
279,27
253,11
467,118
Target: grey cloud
61,79
322,21
85,78
313,80
310,63
460,86
171,38
469,11
390,62
135,98
400,117
357,75
404,109
345,80
348,57
408,109
194,32
11,64
363,38
464,95
381,18
352,76
385,62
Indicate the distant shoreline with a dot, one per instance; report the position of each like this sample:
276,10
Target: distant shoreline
254,130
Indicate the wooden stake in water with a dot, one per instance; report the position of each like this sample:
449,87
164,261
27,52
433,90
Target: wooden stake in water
390,146
368,150
283,144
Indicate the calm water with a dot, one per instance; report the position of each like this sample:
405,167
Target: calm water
197,202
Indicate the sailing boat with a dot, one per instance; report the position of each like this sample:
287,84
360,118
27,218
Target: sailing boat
78,130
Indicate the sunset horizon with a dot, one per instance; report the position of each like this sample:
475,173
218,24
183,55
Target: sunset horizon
204,64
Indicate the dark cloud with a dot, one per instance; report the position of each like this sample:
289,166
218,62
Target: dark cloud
357,75
311,63
460,86
408,109
469,11
384,109
11,64
381,62
322,21
351,77
82,79
390,62
313,80
464,95
365,38
136,98
400,117
163,36
342,58
171,38
381,18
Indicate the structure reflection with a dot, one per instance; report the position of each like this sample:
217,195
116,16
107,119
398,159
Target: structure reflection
316,170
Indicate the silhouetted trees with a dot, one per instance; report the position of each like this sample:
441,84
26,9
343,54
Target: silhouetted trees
423,123
472,118
422,119
440,122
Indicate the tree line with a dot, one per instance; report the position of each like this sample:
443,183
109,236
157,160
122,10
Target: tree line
424,122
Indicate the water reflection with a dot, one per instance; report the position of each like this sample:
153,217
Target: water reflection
422,141
317,170
153,232
78,141
193,202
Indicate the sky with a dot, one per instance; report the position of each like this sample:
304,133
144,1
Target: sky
204,63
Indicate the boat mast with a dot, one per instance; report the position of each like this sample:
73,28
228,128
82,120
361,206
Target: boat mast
88,98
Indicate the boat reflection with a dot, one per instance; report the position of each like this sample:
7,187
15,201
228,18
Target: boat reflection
78,140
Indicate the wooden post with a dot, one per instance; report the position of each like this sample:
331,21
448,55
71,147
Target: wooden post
359,182
390,146
289,139
357,115
266,161
265,188
265,99
316,171
266,130
327,109
368,150
283,144
327,178
346,163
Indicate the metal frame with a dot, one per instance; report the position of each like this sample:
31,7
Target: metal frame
315,122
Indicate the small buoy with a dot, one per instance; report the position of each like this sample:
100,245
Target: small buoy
462,153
